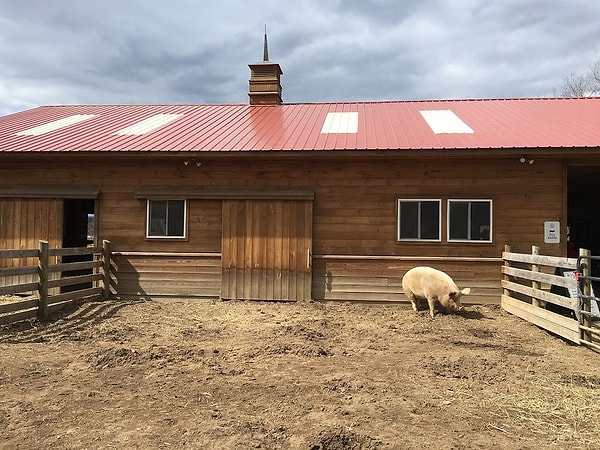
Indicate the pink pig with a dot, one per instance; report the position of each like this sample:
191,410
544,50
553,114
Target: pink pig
435,286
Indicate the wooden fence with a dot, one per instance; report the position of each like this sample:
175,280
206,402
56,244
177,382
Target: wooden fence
50,279
546,291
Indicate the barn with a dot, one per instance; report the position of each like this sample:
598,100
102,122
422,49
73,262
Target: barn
291,202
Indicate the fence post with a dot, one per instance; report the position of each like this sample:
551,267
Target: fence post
535,251
43,281
106,269
506,278
586,290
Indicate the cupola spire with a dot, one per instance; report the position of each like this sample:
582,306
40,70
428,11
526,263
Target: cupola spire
265,80
265,47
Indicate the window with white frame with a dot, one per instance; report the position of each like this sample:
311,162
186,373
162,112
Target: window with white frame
166,219
419,219
470,220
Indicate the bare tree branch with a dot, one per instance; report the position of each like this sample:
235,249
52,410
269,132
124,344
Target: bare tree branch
582,85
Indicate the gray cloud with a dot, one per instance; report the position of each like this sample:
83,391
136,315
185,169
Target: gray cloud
184,51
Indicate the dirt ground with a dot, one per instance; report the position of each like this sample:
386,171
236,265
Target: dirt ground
238,375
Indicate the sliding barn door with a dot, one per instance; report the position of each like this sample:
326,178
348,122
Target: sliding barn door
26,221
23,223
266,250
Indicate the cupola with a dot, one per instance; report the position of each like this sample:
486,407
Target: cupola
265,80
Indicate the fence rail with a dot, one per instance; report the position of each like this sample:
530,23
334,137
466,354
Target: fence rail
551,293
48,287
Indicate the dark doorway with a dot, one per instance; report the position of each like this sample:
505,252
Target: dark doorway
583,213
78,213
78,231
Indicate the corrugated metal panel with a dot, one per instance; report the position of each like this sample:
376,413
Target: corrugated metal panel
509,123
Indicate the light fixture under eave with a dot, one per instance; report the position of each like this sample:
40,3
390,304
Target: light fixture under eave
525,159
188,161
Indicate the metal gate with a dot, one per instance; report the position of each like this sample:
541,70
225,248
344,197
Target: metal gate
588,302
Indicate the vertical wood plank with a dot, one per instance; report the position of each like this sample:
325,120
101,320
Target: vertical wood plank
308,245
262,221
257,248
17,225
43,281
105,270
271,272
535,250
225,249
248,249
506,292
285,251
277,249
295,270
586,290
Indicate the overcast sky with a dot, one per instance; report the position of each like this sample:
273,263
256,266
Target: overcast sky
197,51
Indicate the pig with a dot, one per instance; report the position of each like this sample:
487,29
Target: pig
435,286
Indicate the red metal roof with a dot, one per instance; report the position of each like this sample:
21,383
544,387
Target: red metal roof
506,123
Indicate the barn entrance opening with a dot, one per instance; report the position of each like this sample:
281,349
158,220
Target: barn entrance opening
78,231
583,214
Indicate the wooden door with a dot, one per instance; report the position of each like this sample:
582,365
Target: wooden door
23,223
26,221
266,250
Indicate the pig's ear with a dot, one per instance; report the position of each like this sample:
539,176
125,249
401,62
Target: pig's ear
466,291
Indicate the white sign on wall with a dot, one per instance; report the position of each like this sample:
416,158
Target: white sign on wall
552,232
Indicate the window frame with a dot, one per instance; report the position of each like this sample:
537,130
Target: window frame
185,219
469,201
418,200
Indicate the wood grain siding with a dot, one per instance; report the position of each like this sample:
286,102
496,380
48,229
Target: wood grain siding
153,276
379,279
123,218
23,223
354,208
26,221
265,248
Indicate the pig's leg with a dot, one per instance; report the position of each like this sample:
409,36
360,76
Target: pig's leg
413,299
431,301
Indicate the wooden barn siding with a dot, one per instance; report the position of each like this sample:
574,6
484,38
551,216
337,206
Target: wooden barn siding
23,223
152,276
354,205
159,273
266,244
380,279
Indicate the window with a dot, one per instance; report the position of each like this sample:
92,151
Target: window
419,220
166,219
470,220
